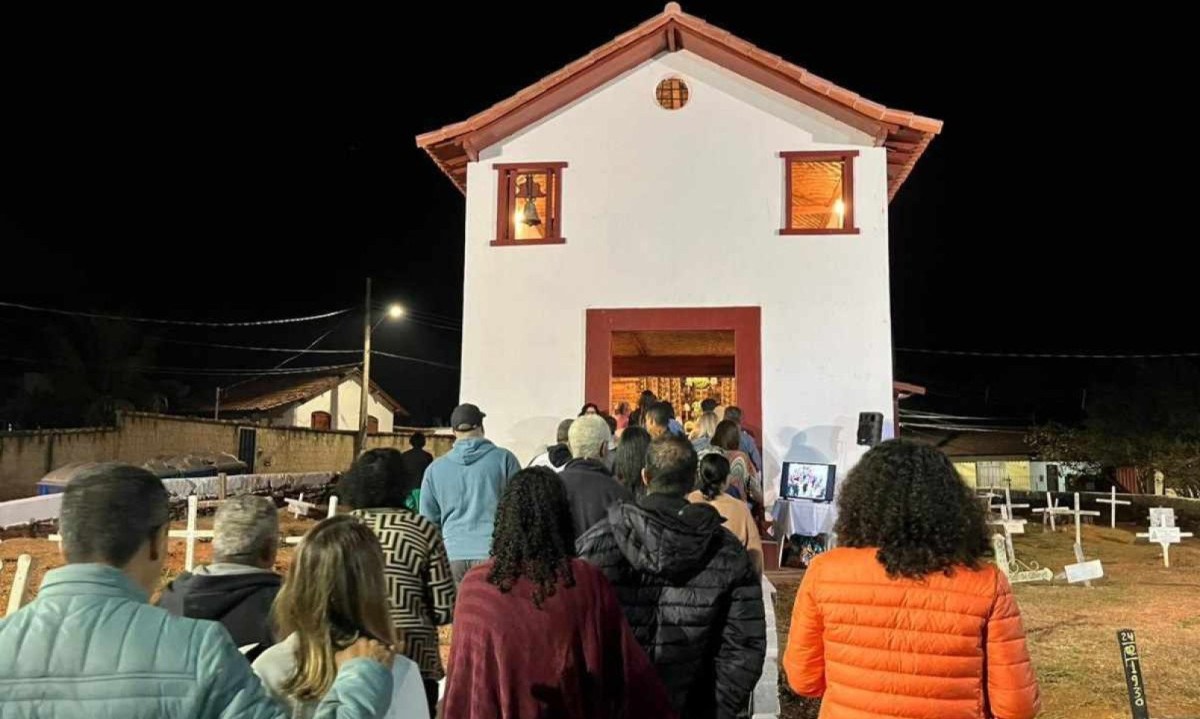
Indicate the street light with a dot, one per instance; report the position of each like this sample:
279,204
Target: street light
394,312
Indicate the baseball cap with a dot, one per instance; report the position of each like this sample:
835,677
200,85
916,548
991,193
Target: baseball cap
466,417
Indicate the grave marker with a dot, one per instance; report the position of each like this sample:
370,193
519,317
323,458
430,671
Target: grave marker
333,505
1133,674
20,584
1164,532
1084,572
1051,510
191,534
1007,510
298,507
1113,502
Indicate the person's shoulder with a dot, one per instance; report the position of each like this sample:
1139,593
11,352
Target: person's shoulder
597,536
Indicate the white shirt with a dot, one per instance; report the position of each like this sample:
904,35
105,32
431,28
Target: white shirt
278,663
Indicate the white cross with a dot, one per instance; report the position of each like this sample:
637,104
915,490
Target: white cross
1050,510
1007,510
16,595
298,507
333,505
1079,513
1165,536
191,533
1113,502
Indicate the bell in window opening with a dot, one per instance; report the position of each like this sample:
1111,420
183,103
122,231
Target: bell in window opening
531,217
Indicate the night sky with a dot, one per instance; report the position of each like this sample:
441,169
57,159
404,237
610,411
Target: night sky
245,167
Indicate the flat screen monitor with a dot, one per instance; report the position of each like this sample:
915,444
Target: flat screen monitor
805,480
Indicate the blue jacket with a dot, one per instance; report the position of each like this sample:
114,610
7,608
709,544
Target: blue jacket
460,493
90,646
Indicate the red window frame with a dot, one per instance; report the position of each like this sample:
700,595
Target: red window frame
506,202
847,159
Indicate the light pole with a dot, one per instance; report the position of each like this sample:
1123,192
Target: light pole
394,312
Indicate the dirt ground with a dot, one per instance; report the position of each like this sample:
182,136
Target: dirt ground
46,554
1072,629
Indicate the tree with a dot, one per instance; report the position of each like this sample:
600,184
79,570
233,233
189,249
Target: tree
93,369
1149,419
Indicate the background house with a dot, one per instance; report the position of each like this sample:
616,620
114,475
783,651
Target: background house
326,400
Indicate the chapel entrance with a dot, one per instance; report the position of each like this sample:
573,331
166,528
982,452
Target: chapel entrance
683,355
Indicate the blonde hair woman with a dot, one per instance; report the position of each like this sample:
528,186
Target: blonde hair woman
705,429
334,594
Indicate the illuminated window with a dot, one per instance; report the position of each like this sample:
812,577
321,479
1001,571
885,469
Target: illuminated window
820,193
529,207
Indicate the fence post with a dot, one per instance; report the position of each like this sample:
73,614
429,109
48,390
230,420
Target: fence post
16,595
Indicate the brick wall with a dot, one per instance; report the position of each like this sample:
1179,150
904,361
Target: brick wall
25,457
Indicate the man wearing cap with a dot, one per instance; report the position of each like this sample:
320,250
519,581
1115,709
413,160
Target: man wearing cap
462,488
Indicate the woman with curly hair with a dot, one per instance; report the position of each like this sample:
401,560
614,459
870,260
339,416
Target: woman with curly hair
906,618
540,633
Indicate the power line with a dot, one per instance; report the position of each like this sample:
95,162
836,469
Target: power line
188,323
218,345
418,360
378,353
219,371
1051,355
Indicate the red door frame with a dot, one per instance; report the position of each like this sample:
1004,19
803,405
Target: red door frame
746,323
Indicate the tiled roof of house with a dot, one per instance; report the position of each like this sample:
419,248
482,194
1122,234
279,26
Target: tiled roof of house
270,393
904,134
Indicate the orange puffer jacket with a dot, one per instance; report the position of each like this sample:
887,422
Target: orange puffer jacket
937,648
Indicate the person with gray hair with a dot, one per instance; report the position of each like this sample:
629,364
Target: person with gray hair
90,644
237,589
591,487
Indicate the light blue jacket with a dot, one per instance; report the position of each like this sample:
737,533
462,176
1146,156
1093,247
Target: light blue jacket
90,647
460,493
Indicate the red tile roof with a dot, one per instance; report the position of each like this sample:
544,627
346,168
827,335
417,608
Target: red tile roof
905,135
271,393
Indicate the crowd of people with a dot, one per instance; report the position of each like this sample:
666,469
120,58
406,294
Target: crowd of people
619,575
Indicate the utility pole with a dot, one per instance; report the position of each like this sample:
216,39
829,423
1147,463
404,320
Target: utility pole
360,443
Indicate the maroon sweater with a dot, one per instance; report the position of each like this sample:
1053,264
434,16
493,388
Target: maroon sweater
574,658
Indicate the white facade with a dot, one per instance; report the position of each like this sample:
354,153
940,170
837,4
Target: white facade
342,403
682,209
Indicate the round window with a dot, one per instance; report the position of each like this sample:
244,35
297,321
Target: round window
672,93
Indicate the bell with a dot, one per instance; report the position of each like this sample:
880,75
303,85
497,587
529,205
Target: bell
530,215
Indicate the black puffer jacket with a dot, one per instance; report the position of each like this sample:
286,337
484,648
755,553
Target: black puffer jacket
692,597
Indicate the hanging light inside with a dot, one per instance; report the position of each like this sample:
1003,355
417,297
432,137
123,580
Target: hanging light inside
530,192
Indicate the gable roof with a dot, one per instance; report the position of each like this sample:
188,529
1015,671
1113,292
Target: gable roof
267,394
905,135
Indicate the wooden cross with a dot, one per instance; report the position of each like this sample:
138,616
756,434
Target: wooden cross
1164,536
16,595
298,507
1079,513
1007,510
1050,510
191,534
333,505
1113,502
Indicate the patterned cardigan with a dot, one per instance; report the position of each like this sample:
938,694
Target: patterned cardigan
420,587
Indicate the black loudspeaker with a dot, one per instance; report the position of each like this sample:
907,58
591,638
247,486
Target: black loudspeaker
870,428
